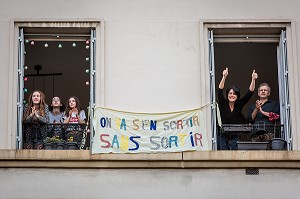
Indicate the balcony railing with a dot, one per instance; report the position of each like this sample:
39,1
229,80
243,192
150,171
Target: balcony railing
74,136
258,136
55,136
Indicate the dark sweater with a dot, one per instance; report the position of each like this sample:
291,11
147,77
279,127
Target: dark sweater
268,106
235,116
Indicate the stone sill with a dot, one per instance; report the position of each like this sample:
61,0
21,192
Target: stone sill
185,160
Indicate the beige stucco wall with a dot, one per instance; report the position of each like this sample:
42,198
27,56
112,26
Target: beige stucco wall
153,53
144,183
211,174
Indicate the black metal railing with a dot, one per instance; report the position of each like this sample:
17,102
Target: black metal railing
55,136
252,134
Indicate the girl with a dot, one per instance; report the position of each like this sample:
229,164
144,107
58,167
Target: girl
56,111
36,110
73,112
36,114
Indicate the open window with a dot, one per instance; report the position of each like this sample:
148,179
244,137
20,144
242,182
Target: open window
242,49
58,60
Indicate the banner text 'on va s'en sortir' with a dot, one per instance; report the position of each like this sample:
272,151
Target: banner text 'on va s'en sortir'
126,132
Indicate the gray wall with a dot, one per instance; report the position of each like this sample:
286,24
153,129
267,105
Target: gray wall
141,183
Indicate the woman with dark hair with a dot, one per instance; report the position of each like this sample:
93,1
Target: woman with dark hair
74,113
231,107
36,110
56,111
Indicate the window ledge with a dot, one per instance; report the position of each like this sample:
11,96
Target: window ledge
185,160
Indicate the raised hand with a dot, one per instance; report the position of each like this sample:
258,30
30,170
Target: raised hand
225,72
70,113
222,82
253,79
33,111
254,75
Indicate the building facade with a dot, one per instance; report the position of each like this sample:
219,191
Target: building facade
154,57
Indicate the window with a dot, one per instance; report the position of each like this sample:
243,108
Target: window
57,58
242,48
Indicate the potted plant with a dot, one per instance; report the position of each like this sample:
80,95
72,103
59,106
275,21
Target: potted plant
276,143
48,145
54,142
71,145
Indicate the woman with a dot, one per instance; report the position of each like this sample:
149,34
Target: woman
36,114
74,115
73,112
231,107
36,110
56,111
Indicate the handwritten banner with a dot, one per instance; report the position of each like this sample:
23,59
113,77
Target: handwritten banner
126,132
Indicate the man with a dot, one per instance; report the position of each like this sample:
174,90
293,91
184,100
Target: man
264,111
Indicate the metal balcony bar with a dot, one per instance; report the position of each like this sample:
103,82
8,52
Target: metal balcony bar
38,136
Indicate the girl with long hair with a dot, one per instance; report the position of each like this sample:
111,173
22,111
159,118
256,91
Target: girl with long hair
73,113
36,110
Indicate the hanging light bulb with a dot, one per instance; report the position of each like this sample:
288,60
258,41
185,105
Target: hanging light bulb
87,83
59,46
87,71
87,41
25,79
24,52
27,41
32,42
74,44
24,101
25,90
87,59
87,47
25,67
46,45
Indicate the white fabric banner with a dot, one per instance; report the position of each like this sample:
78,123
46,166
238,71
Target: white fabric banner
126,132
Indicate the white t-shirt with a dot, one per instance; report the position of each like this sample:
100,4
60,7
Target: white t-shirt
74,119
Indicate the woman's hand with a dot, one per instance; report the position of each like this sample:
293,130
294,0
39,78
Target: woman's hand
252,84
33,111
70,113
225,72
222,82
254,75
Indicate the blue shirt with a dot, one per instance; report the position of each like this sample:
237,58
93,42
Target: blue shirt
268,106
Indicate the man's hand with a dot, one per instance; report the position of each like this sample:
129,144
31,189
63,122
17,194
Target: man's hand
258,105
